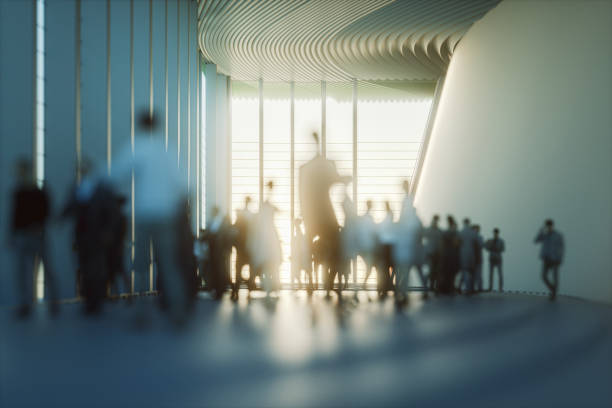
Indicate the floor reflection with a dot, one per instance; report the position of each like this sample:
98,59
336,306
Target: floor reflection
296,349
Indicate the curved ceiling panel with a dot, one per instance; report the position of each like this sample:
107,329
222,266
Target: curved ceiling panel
334,40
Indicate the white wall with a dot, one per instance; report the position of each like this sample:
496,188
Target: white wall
524,132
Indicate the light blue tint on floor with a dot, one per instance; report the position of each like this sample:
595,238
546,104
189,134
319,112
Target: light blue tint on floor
488,350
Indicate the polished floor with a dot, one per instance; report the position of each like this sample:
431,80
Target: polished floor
489,350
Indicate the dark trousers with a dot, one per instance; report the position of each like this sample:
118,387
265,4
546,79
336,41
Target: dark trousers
549,266
434,264
499,267
30,246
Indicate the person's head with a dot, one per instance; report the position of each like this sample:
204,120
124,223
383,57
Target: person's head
450,220
369,205
247,201
387,206
406,186
466,222
476,227
496,232
24,171
435,220
549,225
147,121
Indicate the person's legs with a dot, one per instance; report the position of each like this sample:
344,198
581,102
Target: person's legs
434,272
402,272
462,280
478,279
50,277
500,276
423,281
142,256
239,265
25,268
555,283
368,271
545,270
172,281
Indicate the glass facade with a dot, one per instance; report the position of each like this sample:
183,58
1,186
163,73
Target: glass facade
386,142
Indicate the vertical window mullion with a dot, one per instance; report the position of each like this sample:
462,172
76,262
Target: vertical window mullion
292,161
261,142
323,119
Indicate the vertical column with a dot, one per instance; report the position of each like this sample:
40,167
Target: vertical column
17,21
222,146
183,84
217,141
93,82
120,91
355,141
354,262
261,142
199,150
323,118
141,89
172,121
61,113
158,64
193,111
142,58
228,121
210,128
292,165
292,159
109,116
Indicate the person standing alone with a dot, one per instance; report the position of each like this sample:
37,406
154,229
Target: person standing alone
495,247
551,253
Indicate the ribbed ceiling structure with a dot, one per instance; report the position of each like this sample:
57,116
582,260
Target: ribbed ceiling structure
335,40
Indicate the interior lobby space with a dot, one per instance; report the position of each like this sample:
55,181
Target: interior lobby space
306,203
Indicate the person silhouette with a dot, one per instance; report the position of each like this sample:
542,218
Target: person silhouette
479,247
551,253
386,240
265,246
160,196
368,241
316,177
407,248
218,233
30,213
449,265
495,247
433,243
242,226
301,256
349,235
468,257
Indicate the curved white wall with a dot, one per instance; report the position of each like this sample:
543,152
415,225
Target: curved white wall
524,132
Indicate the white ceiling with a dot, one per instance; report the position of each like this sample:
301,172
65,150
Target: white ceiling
335,40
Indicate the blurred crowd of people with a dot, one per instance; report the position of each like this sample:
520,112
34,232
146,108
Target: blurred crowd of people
168,257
